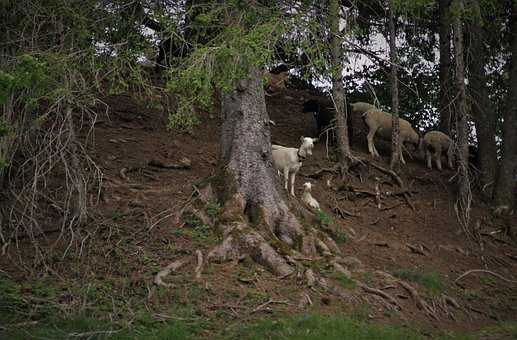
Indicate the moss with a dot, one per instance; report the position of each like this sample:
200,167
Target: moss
225,184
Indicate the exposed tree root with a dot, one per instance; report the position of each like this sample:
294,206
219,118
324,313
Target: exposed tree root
380,293
421,304
199,267
484,271
158,279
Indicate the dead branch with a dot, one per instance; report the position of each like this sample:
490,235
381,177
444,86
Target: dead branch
484,271
392,207
183,164
158,279
417,249
199,266
377,194
270,301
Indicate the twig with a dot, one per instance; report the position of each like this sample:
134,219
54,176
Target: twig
484,271
199,266
268,303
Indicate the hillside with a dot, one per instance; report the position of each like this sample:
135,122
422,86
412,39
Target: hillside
136,231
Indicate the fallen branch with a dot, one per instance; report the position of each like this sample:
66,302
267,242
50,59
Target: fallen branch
268,303
199,266
484,271
184,163
417,249
158,279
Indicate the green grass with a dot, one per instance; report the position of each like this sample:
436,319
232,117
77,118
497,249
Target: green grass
343,280
431,281
321,327
88,328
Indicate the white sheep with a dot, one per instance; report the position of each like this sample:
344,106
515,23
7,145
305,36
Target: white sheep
379,122
289,160
307,197
434,143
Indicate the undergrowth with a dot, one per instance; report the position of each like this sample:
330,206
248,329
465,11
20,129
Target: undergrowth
431,281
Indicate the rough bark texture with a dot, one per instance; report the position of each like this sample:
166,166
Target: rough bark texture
464,193
247,183
445,68
484,116
395,131
338,92
505,182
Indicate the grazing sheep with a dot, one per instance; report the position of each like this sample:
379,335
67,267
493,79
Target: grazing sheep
307,197
289,160
434,143
325,117
276,79
379,122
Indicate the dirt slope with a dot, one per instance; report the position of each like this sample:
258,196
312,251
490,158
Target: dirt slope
137,231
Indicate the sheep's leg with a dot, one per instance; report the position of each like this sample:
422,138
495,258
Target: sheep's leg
428,159
286,177
293,176
438,158
371,145
402,160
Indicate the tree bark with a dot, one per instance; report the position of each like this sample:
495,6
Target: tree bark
255,214
395,126
464,198
445,68
484,116
338,91
505,181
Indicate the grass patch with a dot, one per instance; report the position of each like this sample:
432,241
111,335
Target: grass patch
343,280
431,281
320,327
90,328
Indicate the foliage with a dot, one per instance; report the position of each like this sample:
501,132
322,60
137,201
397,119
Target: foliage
227,58
324,219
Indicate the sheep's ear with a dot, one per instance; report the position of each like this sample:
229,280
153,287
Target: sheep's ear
301,138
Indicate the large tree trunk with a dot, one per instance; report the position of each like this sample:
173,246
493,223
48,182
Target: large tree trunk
396,149
484,116
445,68
338,92
505,182
255,214
464,198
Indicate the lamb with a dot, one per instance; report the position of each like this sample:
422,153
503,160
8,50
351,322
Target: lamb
289,160
307,197
434,143
379,122
325,117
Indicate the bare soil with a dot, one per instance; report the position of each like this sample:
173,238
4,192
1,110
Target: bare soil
136,230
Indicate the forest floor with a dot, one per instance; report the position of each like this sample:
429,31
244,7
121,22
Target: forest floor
106,285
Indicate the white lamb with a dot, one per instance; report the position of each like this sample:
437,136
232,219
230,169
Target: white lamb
307,197
289,160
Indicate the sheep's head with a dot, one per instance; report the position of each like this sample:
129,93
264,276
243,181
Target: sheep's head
307,186
307,146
